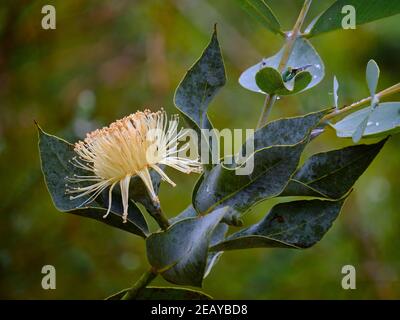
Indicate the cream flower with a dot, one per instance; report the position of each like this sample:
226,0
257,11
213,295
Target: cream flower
129,147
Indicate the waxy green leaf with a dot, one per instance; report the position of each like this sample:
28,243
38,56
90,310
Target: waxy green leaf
382,121
278,147
273,167
372,77
180,253
217,235
360,129
303,56
199,86
270,81
297,224
332,174
287,131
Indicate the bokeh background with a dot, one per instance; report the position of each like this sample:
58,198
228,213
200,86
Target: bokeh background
107,59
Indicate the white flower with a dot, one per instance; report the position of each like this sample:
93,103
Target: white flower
129,147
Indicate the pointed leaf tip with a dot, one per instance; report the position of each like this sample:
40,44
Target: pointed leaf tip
332,174
298,225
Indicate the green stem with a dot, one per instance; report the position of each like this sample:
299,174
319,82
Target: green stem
384,93
268,104
294,35
291,39
160,217
143,281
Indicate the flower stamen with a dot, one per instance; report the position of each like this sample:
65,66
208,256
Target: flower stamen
128,147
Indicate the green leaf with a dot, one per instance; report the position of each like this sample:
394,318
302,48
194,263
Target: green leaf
217,235
180,253
372,76
273,168
297,224
278,147
270,81
358,133
260,11
332,174
303,55
161,293
366,11
382,121
55,155
199,86
287,131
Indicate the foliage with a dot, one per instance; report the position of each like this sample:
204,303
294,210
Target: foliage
367,11
185,253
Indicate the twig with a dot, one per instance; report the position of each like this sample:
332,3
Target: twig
294,34
384,93
266,110
291,39
143,281
159,216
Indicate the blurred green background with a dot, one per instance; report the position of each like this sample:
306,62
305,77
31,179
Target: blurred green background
107,59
